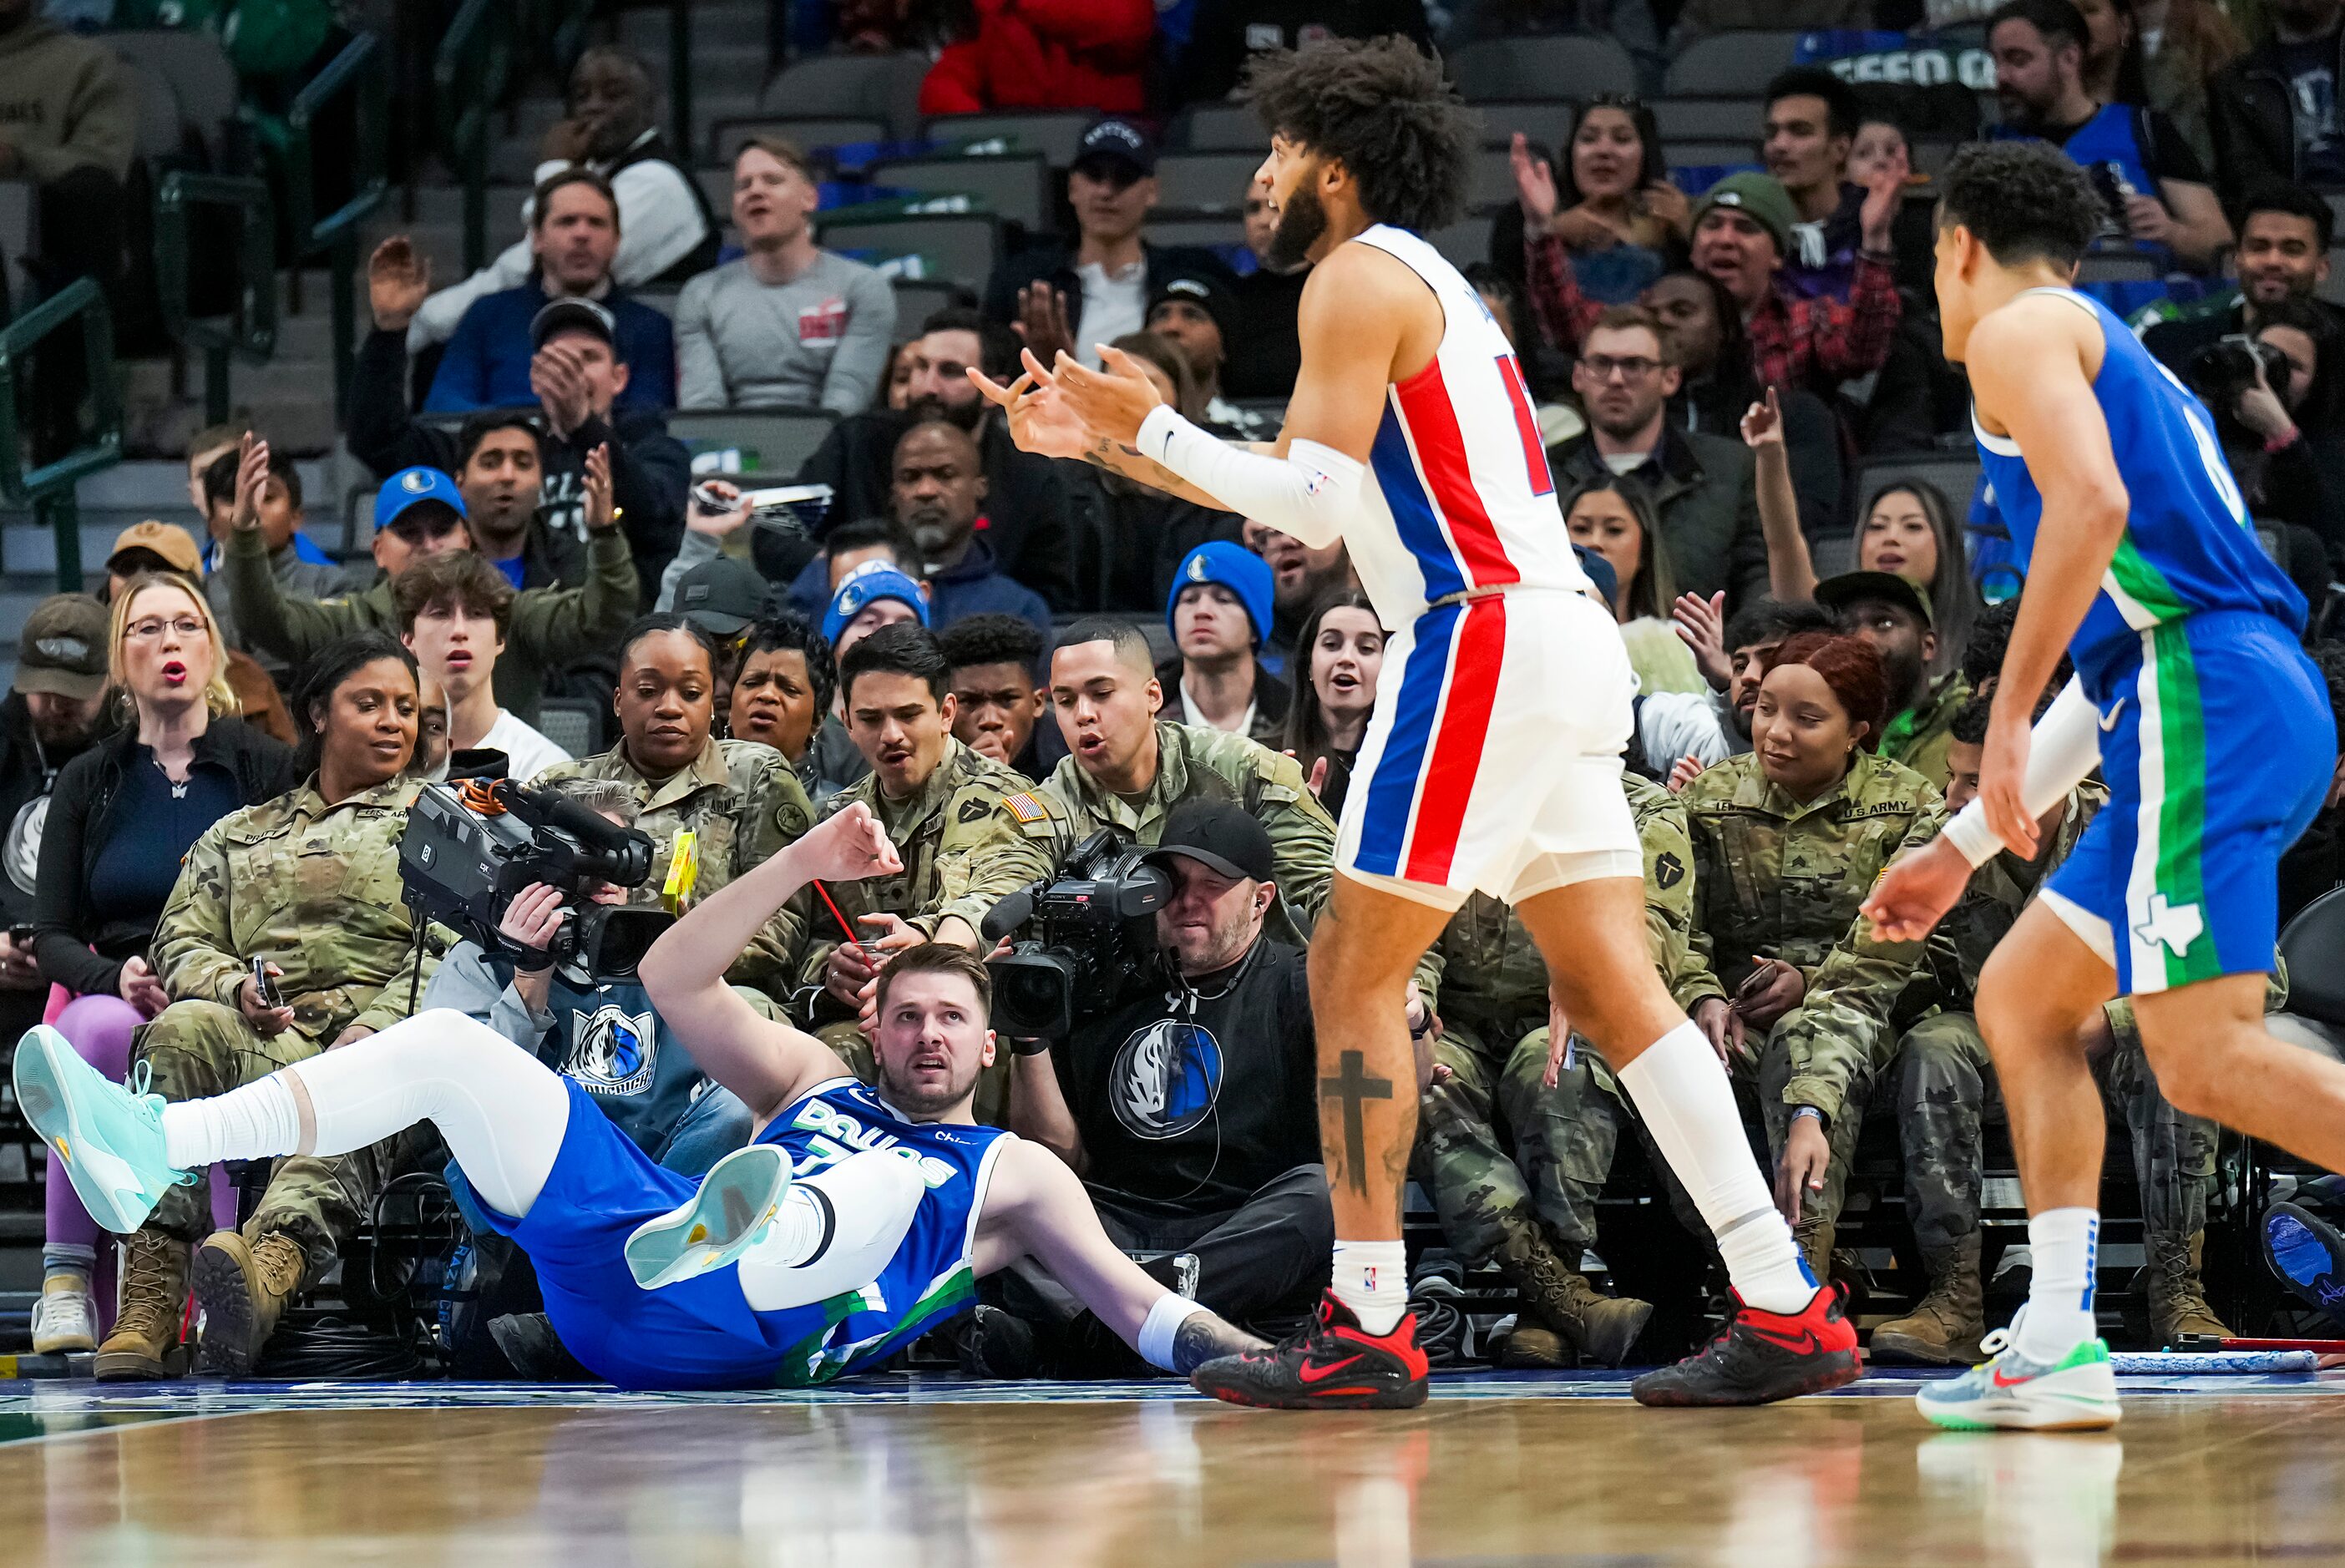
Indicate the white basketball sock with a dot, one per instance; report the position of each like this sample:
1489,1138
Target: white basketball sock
259,1121
1372,1278
2064,1244
1684,1096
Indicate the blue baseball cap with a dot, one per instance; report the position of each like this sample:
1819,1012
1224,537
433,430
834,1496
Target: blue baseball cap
410,487
1236,568
874,579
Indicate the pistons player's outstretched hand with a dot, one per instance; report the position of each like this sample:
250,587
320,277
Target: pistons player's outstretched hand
848,846
1915,894
1111,402
1041,420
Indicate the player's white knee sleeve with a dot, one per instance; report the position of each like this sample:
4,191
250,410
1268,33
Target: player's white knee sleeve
837,1231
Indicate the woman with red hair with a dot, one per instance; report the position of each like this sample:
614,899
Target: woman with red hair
1784,976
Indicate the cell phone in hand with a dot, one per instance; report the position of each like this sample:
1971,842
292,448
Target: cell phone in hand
20,935
265,984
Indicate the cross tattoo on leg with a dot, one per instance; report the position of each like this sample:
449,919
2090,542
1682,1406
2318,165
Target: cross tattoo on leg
1352,1087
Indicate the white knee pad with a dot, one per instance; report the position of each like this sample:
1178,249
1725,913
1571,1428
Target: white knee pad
837,1230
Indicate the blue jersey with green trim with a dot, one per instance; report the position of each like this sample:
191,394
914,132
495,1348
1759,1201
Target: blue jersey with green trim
2188,545
929,1279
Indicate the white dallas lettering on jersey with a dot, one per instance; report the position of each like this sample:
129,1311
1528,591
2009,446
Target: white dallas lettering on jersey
835,1135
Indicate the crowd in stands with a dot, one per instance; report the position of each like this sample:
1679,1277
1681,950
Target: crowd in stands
204,766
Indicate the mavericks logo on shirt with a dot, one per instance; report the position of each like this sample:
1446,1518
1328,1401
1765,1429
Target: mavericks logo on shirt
1167,1079
613,1052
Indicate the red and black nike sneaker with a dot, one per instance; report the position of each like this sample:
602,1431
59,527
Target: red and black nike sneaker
1762,1357
1329,1363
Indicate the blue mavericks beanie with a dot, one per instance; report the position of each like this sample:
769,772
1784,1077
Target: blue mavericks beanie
873,580
1236,568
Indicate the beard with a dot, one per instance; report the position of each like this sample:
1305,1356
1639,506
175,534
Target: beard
920,1101
961,416
1302,222
1906,675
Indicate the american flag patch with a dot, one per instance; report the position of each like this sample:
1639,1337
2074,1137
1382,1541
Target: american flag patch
1025,807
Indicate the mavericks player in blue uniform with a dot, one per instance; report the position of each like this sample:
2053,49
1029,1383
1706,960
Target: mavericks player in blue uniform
857,1221
2211,729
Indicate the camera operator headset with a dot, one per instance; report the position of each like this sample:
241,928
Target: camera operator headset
2275,393
1185,1094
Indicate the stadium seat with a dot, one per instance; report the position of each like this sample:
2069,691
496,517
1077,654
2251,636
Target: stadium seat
1709,155
1207,229
1219,127
1546,122
809,134
1466,241
955,248
1567,66
1709,119
885,87
769,440
917,300
2313,946
2118,267
660,297
1954,473
1207,182
1016,187
1055,133
1728,63
1489,180
197,72
573,723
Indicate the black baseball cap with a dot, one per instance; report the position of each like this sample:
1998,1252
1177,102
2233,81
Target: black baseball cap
1208,294
1220,833
1838,593
1119,142
721,596
573,316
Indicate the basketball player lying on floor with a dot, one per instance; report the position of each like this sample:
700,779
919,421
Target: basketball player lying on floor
856,1221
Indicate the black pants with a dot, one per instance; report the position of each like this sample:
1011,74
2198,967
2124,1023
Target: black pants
1261,1265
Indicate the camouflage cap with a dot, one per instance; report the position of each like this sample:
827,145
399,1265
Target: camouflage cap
63,647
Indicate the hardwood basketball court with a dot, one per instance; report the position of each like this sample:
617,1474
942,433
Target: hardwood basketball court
1500,1469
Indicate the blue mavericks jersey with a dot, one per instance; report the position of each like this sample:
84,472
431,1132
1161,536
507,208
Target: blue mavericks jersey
2188,546
929,1279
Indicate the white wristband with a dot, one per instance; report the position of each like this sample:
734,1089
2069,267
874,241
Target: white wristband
1164,1320
2063,747
1309,493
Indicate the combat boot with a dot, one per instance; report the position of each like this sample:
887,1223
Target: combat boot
1556,1296
2178,1302
145,1343
1944,1327
242,1288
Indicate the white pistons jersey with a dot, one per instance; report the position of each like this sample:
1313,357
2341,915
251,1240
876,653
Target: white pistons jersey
1461,500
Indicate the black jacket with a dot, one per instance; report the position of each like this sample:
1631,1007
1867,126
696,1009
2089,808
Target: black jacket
2251,110
25,777
1025,507
1708,497
81,816
650,470
1128,540
1055,263
1271,700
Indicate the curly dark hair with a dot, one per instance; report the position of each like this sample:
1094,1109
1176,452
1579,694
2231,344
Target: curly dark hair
1383,109
2025,201
991,638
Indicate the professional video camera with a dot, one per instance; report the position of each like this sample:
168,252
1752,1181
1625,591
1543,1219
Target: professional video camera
2224,369
1094,939
470,847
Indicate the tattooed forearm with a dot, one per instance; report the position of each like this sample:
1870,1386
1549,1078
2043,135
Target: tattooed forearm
1203,1336
1119,458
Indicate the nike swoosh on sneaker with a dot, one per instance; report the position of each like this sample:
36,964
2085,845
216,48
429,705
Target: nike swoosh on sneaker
1805,1344
2003,1382
1312,1372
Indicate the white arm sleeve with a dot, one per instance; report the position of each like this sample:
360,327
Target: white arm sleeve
2065,745
1309,493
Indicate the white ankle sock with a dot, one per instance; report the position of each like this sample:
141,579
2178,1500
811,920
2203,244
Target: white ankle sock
2064,1244
1684,1096
1372,1278
258,1121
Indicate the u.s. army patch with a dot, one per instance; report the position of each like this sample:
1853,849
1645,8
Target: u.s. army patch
1668,869
974,810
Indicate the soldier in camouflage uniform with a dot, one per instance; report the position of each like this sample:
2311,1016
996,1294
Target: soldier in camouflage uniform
949,810
739,799
1129,769
1893,616
312,887
1532,1209
1944,1085
1777,878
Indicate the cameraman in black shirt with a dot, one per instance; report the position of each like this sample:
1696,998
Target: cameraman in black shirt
2276,393
1189,1111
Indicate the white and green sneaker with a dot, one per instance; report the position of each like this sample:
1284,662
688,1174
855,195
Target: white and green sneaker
2077,1393
107,1139
738,1196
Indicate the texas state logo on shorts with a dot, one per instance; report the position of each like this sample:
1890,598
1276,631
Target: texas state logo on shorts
1167,1079
612,1052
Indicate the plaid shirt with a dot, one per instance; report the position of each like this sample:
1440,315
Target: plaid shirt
1794,342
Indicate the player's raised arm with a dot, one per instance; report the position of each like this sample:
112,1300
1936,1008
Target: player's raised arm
2032,365
766,1063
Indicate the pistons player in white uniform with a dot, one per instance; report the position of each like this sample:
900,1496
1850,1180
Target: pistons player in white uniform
1492,762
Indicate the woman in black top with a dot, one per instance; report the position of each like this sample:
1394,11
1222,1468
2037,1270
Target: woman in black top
124,816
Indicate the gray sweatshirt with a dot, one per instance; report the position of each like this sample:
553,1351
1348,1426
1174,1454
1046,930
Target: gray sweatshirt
818,342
